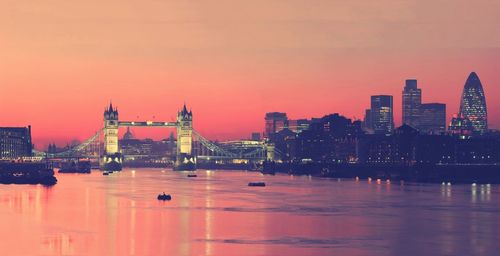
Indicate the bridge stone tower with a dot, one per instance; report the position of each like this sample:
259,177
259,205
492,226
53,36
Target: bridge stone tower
185,159
112,158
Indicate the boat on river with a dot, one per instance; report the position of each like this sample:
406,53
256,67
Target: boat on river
164,197
256,184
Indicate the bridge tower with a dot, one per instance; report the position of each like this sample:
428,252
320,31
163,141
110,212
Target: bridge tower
112,158
185,159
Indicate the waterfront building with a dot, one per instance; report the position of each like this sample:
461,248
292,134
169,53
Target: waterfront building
382,114
395,149
473,104
412,99
15,142
330,139
406,147
432,118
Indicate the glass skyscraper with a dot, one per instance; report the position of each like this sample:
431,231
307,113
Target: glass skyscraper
473,104
382,114
432,118
412,99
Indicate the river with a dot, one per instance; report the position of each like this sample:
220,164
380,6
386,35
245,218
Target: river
216,213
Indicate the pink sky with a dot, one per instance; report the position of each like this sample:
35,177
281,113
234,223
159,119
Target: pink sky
61,62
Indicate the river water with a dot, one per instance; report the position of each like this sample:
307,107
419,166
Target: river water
218,214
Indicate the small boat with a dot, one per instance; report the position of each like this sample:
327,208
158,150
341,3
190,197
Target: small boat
256,184
192,175
164,197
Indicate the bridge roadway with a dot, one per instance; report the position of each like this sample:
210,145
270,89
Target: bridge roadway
146,124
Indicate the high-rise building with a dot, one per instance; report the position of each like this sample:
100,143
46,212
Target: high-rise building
367,122
473,104
412,99
432,118
15,142
275,122
382,114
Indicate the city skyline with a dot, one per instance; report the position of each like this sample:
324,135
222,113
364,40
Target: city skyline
156,134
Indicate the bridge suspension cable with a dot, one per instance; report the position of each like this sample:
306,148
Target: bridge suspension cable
75,150
214,148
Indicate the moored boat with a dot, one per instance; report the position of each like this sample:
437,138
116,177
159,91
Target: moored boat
256,184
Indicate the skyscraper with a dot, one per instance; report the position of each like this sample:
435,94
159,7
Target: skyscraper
382,114
473,104
275,122
412,99
432,118
367,122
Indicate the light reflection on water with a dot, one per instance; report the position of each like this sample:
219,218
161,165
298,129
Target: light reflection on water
218,214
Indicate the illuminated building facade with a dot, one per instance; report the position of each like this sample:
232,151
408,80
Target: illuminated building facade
382,117
432,118
412,99
473,104
185,158
112,159
15,142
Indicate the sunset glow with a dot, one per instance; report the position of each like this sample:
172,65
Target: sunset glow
232,61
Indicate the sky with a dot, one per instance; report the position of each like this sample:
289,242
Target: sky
231,61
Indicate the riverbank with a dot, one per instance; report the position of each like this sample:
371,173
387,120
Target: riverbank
26,173
414,173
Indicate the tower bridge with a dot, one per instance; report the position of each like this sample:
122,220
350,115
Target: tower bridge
111,158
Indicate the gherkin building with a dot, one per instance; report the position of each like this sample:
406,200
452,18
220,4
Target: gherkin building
473,104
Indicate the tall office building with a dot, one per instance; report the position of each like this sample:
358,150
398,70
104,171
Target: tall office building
412,99
367,122
275,122
432,118
15,142
473,104
382,114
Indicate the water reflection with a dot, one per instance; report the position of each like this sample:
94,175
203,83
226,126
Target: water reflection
218,214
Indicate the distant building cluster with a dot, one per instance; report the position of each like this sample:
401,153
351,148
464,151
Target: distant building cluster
430,118
277,121
423,137
147,150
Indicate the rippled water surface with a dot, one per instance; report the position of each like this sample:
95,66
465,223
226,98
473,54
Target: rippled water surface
218,214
